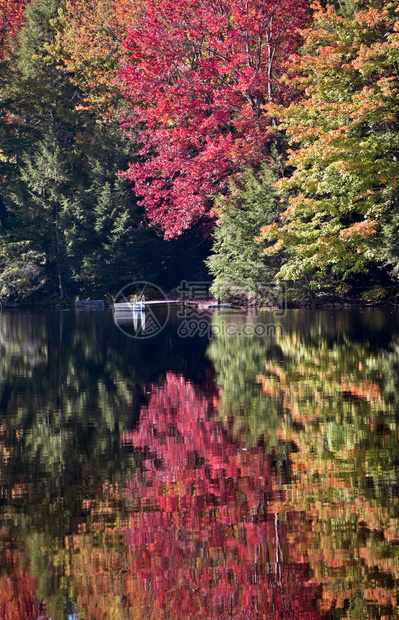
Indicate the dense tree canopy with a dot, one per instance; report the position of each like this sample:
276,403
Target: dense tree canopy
343,193
11,20
192,106
89,45
199,76
60,196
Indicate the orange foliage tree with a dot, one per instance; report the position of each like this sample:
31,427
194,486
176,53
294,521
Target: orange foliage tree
343,193
89,44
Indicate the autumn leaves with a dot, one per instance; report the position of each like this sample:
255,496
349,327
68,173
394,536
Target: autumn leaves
343,190
198,76
209,91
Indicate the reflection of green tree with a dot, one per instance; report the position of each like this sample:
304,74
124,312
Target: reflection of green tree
334,381
64,391
41,552
72,383
238,361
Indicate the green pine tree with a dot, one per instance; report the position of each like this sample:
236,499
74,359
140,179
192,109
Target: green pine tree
60,191
237,262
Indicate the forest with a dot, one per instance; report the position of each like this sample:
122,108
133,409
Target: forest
237,141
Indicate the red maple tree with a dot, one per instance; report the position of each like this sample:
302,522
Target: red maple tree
11,20
200,77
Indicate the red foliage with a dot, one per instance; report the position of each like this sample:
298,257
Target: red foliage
200,75
11,20
17,593
200,533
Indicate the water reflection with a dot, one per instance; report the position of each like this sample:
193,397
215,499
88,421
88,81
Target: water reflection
341,414
72,384
239,362
173,478
202,538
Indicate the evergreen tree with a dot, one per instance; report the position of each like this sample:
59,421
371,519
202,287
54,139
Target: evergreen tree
43,101
20,270
238,262
105,245
63,194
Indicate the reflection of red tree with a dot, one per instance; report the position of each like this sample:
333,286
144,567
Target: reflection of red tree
200,530
17,594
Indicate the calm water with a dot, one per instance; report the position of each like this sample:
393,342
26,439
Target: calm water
252,475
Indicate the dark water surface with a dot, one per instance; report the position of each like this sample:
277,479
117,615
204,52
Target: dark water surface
251,475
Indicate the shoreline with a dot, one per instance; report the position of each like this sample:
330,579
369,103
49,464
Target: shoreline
213,305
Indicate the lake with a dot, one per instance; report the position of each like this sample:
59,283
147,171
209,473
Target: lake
230,465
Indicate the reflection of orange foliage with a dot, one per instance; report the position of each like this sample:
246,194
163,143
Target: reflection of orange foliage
346,532
273,379
104,586
367,391
277,371
269,387
17,593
